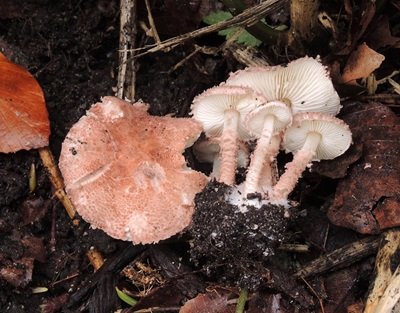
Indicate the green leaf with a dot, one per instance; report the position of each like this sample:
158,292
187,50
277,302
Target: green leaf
244,37
216,17
124,297
248,39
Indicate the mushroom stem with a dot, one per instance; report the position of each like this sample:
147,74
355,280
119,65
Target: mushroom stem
229,147
259,156
304,156
269,173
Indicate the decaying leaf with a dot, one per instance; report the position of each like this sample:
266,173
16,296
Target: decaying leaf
24,122
19,273
367,200
380,35
360,15
205,303
337,168
361,63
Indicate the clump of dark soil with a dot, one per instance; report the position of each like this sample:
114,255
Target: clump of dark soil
234,243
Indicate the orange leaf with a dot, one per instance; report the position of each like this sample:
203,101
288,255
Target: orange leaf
24,122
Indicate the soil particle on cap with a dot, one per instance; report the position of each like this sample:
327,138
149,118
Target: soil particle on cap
232,243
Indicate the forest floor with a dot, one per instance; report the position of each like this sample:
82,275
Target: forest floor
71,47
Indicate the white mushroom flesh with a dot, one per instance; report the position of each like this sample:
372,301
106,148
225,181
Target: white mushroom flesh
313,136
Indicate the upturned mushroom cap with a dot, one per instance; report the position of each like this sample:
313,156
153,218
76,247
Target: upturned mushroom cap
265,80
309,87
282,114
304,84
335,134
125,173
210,106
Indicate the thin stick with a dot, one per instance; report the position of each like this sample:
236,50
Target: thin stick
391,296
248,17
293,247
321,303
383,269
126,43
341,257
95,258
56,180
151,22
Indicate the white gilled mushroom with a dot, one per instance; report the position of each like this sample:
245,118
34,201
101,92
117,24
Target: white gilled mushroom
304,85
264,122
312,137
221,111
208,151
309,88
269,174
265,80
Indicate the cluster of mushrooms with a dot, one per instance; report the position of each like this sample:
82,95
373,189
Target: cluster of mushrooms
290,107
125,172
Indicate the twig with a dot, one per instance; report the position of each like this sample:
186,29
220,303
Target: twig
339,258
384,269
56,180
387,98
126,45
111,266
292,247
246,55
259,30
321,303
244,19
151,22
32,178
391,295
95,258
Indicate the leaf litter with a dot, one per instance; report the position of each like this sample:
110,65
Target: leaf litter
381,205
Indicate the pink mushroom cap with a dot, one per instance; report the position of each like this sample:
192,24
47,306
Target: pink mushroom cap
125,172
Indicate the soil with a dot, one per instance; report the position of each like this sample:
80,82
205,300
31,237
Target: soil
71,47
234,242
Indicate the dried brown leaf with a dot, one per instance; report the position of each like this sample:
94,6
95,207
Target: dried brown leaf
361,63
367,199
205,303
337,168
360,15
19,273
380,35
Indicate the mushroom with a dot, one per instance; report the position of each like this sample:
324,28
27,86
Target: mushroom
265,80
208,151
125,172
269,174
309,88
304,85
221,111
264,122
312,137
